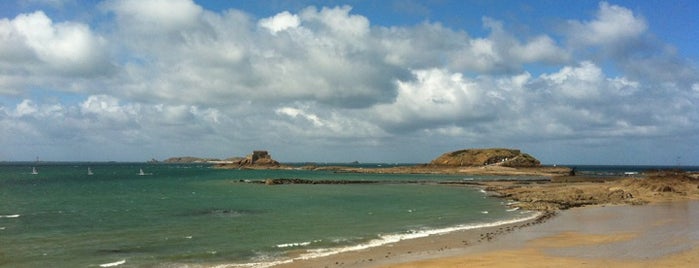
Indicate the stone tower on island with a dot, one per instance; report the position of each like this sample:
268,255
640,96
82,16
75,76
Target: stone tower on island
258,158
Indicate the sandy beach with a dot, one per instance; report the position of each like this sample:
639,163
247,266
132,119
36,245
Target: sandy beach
655,235
601,233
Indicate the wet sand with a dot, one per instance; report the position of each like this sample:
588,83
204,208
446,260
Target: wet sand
662,234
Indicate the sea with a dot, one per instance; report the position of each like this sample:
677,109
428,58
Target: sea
178,215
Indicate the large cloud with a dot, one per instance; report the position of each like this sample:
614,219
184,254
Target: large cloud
103,121
174,78
64,48
327,55
576,101
437,97
324,55
501,51
622,38
35,51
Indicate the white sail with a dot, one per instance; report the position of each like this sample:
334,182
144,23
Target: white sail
89,171
141,172
34,171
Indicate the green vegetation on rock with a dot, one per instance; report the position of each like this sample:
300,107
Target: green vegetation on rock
484,157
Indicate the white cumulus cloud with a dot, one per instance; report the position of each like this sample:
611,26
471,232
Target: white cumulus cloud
613,25
280,22
34,43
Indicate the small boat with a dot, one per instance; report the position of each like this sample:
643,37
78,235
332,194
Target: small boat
89,171
34,172
141,173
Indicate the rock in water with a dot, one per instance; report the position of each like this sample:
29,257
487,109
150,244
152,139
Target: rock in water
259,158
484,157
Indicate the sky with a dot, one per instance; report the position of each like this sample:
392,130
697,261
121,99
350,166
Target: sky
569,82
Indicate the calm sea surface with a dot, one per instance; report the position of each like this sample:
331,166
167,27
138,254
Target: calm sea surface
193,214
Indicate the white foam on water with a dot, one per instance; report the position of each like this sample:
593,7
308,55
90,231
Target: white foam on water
113,264
513,209
382,240
297,244
10,216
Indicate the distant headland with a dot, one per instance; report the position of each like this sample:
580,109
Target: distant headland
257,159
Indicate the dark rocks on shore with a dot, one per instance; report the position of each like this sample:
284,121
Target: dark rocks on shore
569,192
281,181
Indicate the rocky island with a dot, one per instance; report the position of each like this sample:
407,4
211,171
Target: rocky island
486,157
258,159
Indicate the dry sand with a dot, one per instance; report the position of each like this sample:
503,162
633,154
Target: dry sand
657,235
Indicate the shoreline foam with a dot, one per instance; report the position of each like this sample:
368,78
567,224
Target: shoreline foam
384,240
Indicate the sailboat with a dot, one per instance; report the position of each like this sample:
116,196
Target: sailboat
89,171
141,173
34,172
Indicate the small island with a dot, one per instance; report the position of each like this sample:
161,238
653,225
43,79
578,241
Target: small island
486,157
259,159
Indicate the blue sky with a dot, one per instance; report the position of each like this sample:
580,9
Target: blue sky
571,82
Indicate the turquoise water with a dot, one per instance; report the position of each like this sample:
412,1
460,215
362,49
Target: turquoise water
185,214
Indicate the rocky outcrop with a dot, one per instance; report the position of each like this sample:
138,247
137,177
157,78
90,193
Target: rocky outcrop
486,157
654,187
554,198
258,158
